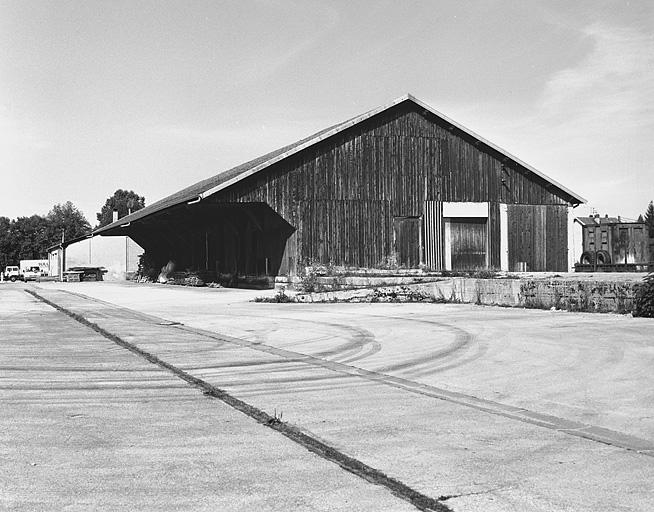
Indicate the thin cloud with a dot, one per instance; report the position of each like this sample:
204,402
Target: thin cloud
596,120
591,127
274,59
614,83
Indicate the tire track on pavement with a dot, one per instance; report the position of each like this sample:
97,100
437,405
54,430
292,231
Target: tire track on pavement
314,445
562,425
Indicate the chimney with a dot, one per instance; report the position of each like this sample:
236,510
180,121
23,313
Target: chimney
115,216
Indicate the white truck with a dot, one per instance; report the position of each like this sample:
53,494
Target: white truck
34,269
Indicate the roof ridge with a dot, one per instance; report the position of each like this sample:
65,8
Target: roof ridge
226,178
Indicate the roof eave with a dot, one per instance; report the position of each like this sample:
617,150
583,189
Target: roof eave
573,198
576,199
337,129
488,143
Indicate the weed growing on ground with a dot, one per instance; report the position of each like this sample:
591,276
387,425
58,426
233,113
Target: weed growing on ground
309,282
193,281
475,274
279,297
484,274
402,294
276,419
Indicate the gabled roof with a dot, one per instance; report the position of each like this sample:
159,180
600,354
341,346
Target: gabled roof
210,186
606,220
595,220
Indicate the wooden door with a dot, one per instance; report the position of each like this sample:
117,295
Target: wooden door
468,242
407,241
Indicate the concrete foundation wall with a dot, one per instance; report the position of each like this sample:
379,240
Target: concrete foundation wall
601,296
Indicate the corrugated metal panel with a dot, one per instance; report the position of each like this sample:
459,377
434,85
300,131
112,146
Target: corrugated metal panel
433,235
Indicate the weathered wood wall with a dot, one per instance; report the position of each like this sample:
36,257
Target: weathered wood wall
538,236
343,193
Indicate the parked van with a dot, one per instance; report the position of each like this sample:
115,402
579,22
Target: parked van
12,273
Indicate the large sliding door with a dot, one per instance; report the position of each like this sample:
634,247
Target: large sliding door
537,237
468,238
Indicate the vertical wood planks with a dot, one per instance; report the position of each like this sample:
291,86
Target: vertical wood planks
343,193
538,236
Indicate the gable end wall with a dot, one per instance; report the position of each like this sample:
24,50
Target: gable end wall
343,193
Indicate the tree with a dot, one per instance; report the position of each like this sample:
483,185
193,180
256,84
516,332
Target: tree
28,238
649,218
124,201
68,219
5,242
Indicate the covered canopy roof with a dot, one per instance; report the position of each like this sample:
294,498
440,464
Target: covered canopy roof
66,243
221,181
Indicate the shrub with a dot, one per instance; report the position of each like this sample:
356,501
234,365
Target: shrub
193,281
400,294
309,282
484,274
279,297
644,298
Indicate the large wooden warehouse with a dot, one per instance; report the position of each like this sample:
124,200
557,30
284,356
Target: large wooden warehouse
401,185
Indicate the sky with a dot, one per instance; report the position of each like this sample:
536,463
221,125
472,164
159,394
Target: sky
153,96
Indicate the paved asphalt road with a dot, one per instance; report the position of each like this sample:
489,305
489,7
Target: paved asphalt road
87,425
486,408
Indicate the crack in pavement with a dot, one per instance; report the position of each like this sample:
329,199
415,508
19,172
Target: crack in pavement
562,425
417,499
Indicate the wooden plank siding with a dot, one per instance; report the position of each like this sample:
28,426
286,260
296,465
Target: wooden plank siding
342,194
406,240
345,232
556,243
538,237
